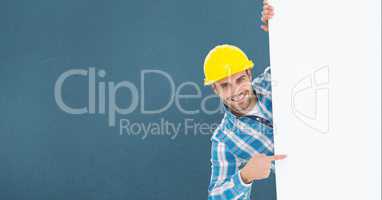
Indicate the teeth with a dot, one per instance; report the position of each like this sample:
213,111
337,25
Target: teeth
238,97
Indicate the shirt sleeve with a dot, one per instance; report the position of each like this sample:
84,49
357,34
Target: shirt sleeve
263,82
226,182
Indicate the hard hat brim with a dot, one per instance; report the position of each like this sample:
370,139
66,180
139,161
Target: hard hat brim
210,82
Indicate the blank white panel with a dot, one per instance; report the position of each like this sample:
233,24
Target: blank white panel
326,68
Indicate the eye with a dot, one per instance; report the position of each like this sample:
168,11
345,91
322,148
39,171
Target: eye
224,85
242,79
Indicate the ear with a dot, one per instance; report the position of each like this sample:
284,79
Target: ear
213,87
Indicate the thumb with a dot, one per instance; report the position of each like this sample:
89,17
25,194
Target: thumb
277,157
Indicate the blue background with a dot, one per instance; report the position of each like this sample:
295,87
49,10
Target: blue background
46,153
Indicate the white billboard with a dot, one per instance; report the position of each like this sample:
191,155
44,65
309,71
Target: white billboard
326,70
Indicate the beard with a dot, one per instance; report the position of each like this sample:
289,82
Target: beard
242,106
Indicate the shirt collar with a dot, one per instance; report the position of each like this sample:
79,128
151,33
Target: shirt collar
229,115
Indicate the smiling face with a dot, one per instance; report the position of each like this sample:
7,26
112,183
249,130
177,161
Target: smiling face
236,92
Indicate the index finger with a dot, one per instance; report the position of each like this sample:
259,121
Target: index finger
277,157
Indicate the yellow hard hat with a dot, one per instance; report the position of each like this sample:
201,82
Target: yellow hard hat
223,61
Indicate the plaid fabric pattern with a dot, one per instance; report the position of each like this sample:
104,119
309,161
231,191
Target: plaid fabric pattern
236,140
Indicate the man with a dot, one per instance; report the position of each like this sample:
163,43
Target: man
242,145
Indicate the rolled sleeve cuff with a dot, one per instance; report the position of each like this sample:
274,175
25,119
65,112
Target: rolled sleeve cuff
240,186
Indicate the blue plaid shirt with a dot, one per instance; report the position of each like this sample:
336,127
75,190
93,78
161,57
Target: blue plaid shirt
236,140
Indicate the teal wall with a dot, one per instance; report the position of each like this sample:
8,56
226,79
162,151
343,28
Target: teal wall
46,153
